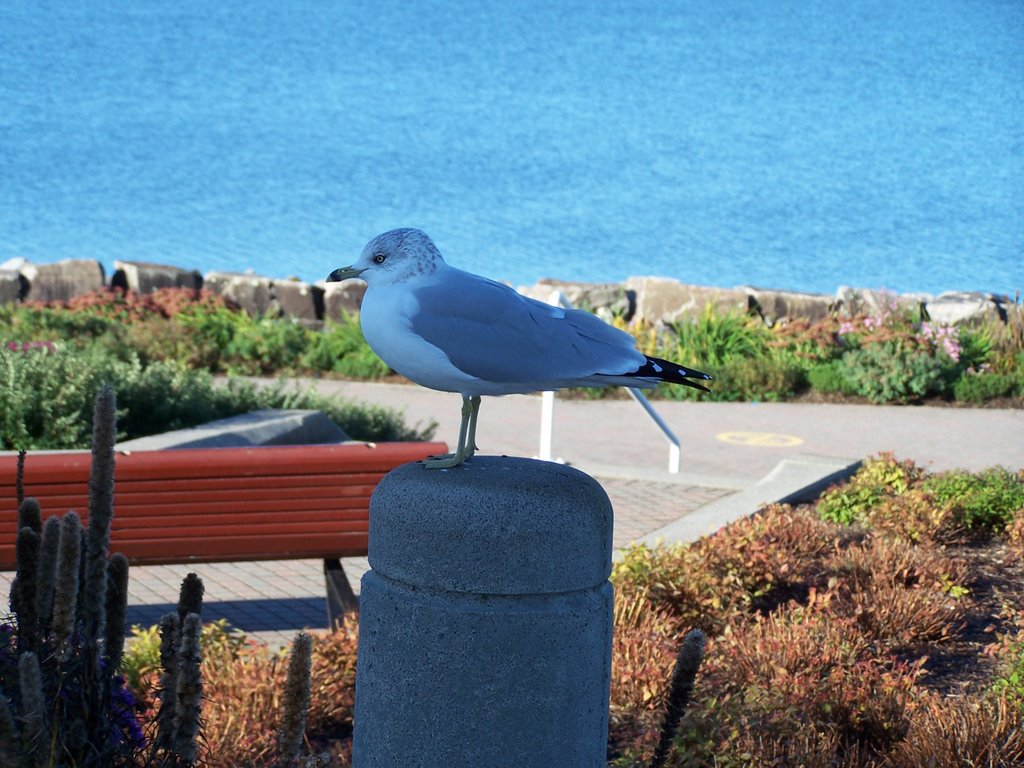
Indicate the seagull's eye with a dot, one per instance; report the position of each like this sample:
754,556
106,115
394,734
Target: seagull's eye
379,258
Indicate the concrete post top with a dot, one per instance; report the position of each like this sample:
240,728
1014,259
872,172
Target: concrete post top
493,526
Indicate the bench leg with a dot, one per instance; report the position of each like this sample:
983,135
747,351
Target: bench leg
340,597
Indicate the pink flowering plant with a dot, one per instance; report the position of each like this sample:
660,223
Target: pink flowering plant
25,346
890,356
897,354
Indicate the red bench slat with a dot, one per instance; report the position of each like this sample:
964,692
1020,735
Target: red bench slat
238,548
261,461
218,504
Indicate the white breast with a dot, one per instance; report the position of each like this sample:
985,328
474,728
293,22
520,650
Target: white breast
384,317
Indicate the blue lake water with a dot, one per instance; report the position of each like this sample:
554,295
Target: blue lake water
878,143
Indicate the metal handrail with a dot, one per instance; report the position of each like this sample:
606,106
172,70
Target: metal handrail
547,412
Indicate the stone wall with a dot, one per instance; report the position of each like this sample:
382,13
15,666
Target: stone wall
655,300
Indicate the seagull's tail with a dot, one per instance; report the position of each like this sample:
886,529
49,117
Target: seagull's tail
665,370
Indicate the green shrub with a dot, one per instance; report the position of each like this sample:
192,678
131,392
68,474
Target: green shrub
714,339
891,358
914,516
896,372
981,387
983,500
771,378
37,323
46,395
265,346
894,496
880,477
360,421
976,346
341,348
829,377
212,331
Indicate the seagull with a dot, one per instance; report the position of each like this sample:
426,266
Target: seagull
454,331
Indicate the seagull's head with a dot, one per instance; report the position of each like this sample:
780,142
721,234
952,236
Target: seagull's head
393,257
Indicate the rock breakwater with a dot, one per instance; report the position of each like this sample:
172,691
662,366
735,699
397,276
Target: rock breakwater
653,300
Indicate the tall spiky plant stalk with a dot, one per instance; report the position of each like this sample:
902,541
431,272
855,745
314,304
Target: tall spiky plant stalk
188,691
34,736
30,515
27,549
190,597
65,595
46,573
688,661
169,638
19,477
97,545
101,513
117,609
296,699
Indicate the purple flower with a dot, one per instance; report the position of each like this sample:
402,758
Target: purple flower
123,709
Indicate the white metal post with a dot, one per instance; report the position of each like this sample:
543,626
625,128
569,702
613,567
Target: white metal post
547,414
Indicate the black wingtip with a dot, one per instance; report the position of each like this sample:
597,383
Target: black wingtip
674,373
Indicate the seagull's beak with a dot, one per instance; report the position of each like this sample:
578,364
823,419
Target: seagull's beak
344,273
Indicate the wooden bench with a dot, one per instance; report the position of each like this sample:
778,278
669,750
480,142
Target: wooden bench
222,504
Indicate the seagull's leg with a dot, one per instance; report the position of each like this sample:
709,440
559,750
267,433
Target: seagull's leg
454,459
471,440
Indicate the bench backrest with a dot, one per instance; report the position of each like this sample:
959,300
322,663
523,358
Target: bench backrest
218,504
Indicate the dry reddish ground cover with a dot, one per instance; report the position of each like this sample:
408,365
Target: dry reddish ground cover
887,639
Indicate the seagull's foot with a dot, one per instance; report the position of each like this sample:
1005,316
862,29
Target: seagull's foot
444,461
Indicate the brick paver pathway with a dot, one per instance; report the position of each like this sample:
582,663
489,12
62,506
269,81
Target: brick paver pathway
271,601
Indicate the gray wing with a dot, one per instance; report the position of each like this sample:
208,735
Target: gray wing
491,332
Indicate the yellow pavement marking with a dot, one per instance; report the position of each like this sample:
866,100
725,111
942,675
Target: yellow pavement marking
760,439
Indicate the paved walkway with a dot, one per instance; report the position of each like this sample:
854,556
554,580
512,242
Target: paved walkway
734,457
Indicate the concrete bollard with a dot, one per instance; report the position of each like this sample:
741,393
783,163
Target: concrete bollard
485,623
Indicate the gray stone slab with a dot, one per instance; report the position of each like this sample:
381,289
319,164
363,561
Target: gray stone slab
870,301
774,305
252,293
965,307
298,300
266,427
62,280
662,300
342,298
606,300
144,277
12,286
